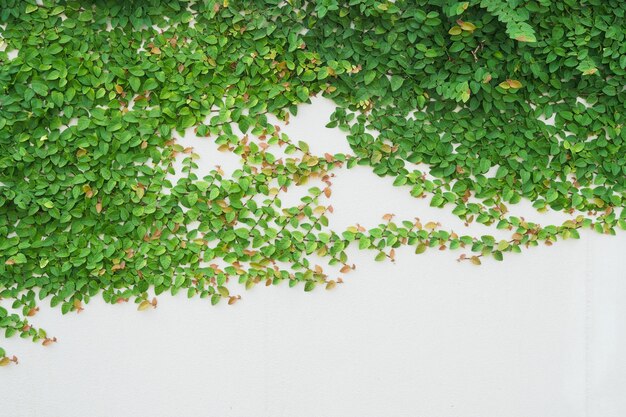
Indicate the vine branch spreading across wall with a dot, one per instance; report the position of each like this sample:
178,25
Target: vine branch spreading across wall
91,93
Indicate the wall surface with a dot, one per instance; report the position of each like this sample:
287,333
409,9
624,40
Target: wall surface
538,335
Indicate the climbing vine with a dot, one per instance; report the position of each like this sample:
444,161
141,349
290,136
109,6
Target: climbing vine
473,105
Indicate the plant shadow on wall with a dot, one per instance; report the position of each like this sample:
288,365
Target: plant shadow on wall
92,92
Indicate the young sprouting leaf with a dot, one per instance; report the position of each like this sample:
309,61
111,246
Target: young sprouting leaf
144,305
514,83
466,26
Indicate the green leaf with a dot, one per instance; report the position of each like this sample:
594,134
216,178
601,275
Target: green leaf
180,279
369,77
303,146
396,82
57,98
135,83
86,16
39,88
242,233
214,193
308,75
165,261
202,186
19,258
192,199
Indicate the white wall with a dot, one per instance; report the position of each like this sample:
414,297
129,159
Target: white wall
538,335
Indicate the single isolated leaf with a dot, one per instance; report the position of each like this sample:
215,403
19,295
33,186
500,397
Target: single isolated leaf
144,305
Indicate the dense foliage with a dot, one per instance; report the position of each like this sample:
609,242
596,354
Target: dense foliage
450,98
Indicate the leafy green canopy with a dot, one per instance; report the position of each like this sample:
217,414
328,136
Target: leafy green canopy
450,98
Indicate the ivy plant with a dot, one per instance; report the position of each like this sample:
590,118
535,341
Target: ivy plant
473,105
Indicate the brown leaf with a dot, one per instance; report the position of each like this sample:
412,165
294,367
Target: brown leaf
117,267
345,269
47,341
